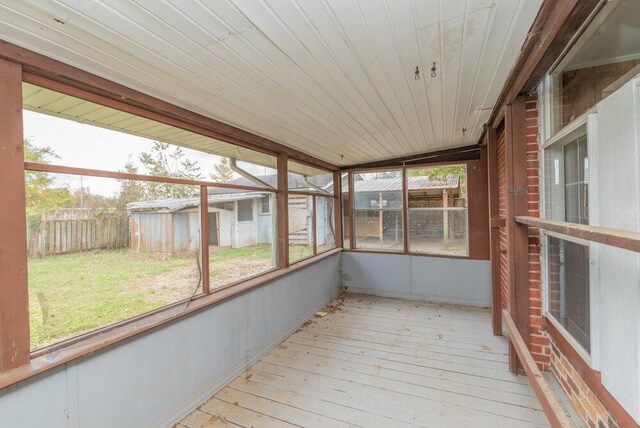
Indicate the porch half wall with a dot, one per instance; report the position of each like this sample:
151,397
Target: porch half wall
156,378
436,279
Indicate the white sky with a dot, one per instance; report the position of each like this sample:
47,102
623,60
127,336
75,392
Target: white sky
86,146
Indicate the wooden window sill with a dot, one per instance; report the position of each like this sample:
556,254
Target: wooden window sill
62,353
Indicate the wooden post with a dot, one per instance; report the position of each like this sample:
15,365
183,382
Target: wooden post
352,213
314,224
204,237
517,235
445,218
380,219
337,207
405,210
14,295
283,211
494,237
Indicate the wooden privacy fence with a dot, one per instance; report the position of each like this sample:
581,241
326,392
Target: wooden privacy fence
45,237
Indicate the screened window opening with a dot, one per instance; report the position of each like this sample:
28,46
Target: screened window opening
346,218
104,250
437,210
301,236
378,205
568,288
325,227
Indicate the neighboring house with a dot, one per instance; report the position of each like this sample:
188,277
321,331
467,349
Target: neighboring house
236,218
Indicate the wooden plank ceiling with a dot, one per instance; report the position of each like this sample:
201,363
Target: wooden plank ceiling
333,78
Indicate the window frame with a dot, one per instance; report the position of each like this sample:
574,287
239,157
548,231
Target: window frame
571,131
262,204
405,250
78,346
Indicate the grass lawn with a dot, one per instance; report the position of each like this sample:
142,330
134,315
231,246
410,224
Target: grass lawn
74,293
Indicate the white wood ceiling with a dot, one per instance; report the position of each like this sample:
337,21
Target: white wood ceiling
332,78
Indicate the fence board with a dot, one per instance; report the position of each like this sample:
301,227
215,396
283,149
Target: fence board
66,236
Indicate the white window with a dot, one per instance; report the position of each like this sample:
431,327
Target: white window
265,205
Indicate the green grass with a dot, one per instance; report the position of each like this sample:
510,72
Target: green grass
74,293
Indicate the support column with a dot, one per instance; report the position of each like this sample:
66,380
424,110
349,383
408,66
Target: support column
517,237
337,207
494,237
283,211
14,296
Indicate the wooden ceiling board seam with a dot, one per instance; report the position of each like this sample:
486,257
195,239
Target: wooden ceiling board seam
466,112
493,57
364,126
361,82
385,42
371,72
274,125
334,71
330,96
511,47
249,98
248,79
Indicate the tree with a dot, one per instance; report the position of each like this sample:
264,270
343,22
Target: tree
130,190
440,173
162,161
224,173
42,196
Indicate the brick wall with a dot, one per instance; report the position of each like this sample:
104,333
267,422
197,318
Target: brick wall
539,340
582,399
502,212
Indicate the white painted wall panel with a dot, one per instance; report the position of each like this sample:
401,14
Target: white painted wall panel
618,206
436,279
155,378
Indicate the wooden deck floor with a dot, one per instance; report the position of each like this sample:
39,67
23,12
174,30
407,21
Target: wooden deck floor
380,362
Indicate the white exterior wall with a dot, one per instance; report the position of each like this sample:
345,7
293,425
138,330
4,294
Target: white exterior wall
156,378
615,185
245,233
435,279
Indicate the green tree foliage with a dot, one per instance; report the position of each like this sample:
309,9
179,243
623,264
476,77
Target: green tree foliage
440,173
42,195
130,190
163,161
223,173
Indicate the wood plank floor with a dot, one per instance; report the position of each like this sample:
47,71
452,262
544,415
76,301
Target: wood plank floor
380,362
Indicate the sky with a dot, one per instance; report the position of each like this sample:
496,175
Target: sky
87,146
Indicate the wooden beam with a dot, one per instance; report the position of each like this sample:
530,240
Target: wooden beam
282,212
314,221
552,407
58,169
517,204
14,296
458,154
337,207
352,219
494,237
405,210
56,71
625,239
204,237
